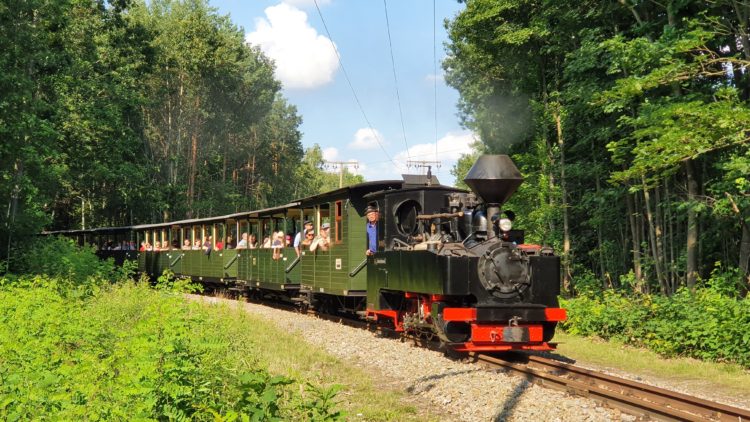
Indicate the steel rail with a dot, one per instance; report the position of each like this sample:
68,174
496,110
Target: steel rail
620,393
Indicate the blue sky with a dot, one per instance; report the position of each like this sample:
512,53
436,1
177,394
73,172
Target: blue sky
292,33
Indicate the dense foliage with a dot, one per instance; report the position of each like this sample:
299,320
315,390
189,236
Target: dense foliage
629,121
75,347
123,112
705,324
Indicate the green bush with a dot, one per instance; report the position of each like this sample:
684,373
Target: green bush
75,270
131,352
705,324
74,346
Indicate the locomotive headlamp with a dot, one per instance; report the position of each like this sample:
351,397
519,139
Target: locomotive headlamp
505,224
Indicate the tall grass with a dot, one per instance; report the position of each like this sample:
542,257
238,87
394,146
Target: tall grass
74,346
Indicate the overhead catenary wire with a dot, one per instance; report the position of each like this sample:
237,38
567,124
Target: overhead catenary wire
395,78
434,68
445,151
354,92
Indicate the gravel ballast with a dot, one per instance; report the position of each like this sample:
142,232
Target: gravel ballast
457,390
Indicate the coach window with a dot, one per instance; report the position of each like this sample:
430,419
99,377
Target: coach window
231,232
254,229
324,215
220,231
265,237
338,226
244,228
308,214
185,234
174,239
279,223
293,222
198,233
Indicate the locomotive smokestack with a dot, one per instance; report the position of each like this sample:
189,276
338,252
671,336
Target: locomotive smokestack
494,178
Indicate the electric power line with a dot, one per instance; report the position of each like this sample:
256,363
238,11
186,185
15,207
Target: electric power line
416,155
425,164
395,79
434,67
354,93
341,166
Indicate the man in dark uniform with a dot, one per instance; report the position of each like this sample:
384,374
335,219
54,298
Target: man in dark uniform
372,229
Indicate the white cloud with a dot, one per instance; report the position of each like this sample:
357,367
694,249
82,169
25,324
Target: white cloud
365,139
330,154
449,150
306,3
431,77
304,59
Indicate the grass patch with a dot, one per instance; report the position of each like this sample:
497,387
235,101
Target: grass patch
721,379
363,395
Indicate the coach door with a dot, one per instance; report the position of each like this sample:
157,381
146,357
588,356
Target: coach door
322,258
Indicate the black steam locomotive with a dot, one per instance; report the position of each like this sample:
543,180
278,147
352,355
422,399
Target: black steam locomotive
453,265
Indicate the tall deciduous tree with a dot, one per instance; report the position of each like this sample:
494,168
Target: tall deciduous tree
634,123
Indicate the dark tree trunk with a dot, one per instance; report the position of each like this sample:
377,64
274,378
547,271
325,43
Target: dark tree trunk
654,242
692,227
636,237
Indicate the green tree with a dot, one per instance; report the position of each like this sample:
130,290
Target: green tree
626,120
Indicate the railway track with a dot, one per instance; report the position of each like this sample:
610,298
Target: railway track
628,396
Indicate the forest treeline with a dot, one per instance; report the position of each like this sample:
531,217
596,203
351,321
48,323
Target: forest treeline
630,121
123,112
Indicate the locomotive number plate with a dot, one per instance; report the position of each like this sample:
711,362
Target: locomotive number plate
515,334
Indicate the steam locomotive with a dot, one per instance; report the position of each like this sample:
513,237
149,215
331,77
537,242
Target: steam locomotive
448,261
454,266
